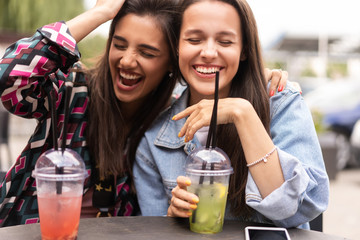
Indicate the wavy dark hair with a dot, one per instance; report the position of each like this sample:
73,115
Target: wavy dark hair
108,133
249,83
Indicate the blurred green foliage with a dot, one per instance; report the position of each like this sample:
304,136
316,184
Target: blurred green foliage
337,70
275,65
308,72
91,48
318,118
26,16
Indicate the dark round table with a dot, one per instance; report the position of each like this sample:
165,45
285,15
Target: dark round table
150,228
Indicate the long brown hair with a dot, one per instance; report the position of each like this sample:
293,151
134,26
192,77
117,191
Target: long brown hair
107,137
249,83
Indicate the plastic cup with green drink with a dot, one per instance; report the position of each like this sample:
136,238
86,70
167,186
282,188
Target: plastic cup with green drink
209,170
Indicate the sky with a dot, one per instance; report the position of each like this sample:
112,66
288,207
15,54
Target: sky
299,17
304,17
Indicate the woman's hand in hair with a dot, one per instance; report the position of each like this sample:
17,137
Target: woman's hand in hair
109,7
85,23
182,201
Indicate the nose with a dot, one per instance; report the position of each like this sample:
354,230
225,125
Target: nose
128,60
209,50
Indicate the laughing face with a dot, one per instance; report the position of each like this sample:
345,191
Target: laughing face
210,41
138,57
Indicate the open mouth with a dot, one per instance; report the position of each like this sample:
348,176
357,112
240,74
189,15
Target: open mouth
129,80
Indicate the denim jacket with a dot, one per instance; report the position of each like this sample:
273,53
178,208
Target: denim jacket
304,195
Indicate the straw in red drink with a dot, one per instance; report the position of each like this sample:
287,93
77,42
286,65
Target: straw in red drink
60,170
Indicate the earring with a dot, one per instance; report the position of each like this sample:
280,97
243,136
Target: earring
170,74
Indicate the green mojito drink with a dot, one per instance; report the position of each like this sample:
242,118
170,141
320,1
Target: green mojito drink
209,170
209,215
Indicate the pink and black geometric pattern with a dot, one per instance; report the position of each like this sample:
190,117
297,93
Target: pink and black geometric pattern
29,70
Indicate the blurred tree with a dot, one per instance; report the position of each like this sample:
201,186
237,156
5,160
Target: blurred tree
91,48
308,71
26,16
275,65
337,70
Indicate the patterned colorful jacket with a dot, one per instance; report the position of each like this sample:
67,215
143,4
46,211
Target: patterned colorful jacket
29,70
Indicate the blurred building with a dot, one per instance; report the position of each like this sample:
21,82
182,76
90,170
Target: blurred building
316,52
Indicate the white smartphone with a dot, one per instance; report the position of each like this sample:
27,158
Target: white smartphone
260,233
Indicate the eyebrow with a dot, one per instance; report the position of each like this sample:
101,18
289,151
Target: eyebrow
197,31
141,45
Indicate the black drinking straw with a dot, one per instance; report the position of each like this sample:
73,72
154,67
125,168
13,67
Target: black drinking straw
53,118
68,91
58,170
212,130
211,138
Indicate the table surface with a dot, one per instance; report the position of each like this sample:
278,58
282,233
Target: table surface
149,228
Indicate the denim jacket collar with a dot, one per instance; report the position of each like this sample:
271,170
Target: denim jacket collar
168,135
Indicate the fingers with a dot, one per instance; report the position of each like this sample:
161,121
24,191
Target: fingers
199,115
183,182
283,80
180,191
110,7
182,201
268,73
184,113
278,79
188,130
275,78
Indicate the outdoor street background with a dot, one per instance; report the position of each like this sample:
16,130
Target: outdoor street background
317,42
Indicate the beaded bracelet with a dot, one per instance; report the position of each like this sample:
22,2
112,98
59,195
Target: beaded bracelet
262,159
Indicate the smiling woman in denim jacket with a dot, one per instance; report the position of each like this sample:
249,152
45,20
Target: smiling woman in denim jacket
291,187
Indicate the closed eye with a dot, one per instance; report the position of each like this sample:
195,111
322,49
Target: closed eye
225,42
120,47
147,55
194,40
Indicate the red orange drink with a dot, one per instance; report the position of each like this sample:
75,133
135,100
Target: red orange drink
59,215
59,183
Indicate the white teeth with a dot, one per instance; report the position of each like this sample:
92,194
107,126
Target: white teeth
129,76
207,70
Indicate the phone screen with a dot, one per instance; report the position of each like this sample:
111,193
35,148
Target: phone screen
260,234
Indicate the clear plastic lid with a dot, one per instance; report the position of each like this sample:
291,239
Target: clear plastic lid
60,166
208,162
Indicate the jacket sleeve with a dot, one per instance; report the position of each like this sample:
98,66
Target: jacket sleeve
33,66
29,70
305,192
150,190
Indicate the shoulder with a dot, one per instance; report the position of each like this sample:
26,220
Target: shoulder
164,131
290,95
